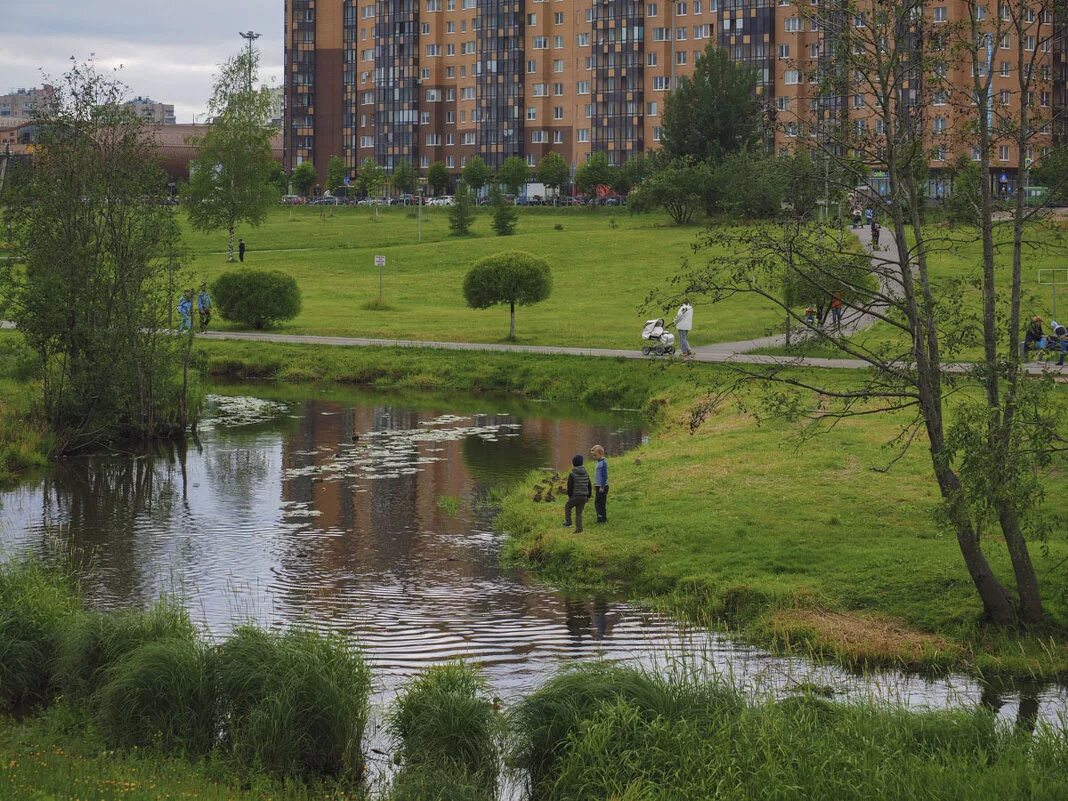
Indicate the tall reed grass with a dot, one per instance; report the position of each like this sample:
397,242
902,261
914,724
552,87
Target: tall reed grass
446,730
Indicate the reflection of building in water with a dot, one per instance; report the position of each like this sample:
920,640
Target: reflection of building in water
395,528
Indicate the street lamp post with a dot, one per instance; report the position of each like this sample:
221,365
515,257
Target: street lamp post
251,37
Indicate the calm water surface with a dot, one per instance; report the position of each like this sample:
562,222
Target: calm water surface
372,516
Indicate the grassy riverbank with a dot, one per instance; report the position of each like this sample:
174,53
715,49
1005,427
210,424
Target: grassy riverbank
604,263
24,441
134,705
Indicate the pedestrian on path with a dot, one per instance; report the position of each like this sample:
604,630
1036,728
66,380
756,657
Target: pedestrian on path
837,309
876,229
869,215
600,484
185,308
241,249
1060,335
204,307
856,216
1033,335
684,324
579,489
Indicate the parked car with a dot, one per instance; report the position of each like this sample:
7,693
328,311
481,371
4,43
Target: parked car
327,201
292,200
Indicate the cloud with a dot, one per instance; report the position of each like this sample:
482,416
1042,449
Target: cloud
169,53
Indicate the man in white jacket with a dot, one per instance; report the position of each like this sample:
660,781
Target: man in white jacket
684,324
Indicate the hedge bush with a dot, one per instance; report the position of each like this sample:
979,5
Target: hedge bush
256,298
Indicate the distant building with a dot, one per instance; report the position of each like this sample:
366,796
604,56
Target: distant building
151,111
21,102
278,106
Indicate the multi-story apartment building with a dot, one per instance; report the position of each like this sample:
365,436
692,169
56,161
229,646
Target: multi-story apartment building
151,111
429,80
21,102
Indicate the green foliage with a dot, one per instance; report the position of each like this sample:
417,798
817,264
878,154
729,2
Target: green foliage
714,112
596,172
94,265
336,171
1052,172
814,272
304,177
553,171
294,704
476,173
404,176
750,184
431,782
505,215
437,176
964,203
514,173
445,719
161,695
462,211
94,642
230,180
279,180
34,606
258,298
512,277
635,170
370,178
681,188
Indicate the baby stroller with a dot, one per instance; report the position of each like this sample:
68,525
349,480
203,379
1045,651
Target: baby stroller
656,339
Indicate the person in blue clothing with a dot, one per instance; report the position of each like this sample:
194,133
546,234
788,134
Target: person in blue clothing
600,484
185,308
204,307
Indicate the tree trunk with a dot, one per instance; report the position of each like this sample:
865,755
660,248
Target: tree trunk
1024,569
231,258
511,330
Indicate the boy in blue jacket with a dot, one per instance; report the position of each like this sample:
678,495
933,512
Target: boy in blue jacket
600,484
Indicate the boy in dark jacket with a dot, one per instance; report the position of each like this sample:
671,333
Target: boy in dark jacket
579,489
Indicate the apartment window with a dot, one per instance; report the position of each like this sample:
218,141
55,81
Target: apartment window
680,9
433,5
975,154
940,153
450,94
541,90
450,162
558,18
532,161
680,34
650,59
450,27
467,93
656,134
1006,69
532,113
450,72
589,110
450,117
558,89
1029,42
368,12
784,51
940,98
467,138
426,29
367,98
940,125
589,63
661,83
813,51
468,48
424,118
1006,41
1003,96
793,24
532,20
433,140
532,66
696,6
541,42
467,5
433,50
661,34
584,135
583,40
650,109
1003,153
368,54
650,9
782,103
792,77
367,141
680,57
583,87
450,49
1045,96
558,65
558,43
433,95
424,162
702,31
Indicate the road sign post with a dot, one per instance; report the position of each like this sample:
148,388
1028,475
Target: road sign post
380,263
1053,279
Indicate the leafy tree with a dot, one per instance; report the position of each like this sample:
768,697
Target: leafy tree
476,173
679,187
336,171
462,211
370,178
749,184
438,177
633,172
512,277
553,171
230,180
714,112
304,177
514,174
256,298
1052,173
404,176
279,178
964,203
505,215
94,278
596,172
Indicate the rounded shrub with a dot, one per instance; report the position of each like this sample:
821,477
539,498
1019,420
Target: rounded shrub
445,718
34,606
92,643
160,695
256,298
427,782
294,704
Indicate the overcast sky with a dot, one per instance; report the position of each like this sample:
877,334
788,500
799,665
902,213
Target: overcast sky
168,49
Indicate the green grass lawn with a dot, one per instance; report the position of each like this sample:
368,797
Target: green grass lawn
604,262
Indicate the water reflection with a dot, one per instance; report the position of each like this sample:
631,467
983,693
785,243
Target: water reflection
368,516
